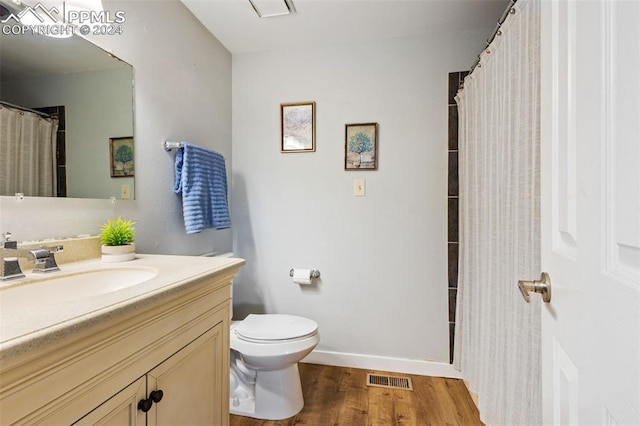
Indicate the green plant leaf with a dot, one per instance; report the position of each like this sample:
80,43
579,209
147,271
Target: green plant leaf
117,232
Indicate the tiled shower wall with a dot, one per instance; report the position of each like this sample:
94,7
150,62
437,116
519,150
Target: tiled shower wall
61,157
455,79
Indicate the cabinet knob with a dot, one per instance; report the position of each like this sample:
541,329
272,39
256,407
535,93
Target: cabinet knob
156,395
144,405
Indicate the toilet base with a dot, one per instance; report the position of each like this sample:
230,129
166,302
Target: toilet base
278,396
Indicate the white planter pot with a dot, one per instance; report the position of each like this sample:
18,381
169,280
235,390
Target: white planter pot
111,254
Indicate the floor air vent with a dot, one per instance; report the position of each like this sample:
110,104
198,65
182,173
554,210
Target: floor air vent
389,382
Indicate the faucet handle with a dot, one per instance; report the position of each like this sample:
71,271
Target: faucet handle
11,269
7,243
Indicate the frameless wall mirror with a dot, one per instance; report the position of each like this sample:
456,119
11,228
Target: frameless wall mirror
79,99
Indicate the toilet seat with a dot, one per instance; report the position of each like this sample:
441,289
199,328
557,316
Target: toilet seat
275,328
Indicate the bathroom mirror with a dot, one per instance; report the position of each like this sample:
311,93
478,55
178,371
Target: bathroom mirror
95,90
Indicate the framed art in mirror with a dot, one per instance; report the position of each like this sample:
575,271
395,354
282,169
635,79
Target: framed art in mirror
121,155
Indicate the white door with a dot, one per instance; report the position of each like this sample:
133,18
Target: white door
590,180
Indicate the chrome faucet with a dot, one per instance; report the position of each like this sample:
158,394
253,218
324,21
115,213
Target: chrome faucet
43,257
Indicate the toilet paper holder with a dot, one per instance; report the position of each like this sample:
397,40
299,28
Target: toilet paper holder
314,273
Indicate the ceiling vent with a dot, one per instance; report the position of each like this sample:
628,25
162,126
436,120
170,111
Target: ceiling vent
270,8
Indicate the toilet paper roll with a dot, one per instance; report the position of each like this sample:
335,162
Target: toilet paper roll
302,276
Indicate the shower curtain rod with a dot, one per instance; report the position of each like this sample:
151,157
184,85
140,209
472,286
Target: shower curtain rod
496,31
21,108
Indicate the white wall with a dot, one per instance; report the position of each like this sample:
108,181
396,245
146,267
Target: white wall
98,106
182,92
383,258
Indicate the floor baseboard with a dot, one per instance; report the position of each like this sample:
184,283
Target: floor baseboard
395,365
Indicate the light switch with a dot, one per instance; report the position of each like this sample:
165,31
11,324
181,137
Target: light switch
124,192
359,187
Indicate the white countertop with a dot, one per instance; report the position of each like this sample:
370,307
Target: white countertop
25,327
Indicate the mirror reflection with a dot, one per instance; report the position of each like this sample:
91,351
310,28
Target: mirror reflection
66,125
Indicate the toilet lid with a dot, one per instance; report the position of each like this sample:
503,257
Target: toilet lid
270,327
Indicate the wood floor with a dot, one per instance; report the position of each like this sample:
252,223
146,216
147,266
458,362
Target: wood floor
339,396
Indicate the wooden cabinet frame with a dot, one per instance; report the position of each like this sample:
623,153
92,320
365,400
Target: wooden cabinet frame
62,381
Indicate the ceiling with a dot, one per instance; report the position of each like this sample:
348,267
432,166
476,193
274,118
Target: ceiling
323,22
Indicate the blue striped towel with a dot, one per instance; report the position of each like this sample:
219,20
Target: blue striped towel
201,178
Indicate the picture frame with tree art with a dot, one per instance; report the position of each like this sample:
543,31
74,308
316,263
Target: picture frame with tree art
361,146
298,127
122,162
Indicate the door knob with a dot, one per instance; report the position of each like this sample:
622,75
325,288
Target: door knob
542,286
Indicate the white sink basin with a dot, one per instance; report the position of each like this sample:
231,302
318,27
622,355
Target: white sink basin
58,289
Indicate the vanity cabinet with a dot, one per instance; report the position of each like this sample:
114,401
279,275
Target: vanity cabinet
176,341
185,380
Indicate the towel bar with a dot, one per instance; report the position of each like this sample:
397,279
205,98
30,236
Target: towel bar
169,145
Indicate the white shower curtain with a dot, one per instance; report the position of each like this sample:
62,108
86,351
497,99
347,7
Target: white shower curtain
497,344
27,153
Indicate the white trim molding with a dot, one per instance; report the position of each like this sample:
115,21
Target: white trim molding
382,363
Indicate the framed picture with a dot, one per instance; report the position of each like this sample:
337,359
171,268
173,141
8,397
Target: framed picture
121,157
298,127
361,146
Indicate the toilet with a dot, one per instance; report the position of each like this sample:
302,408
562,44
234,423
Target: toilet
264,382
265,350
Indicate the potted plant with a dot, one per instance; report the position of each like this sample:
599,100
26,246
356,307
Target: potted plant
117,236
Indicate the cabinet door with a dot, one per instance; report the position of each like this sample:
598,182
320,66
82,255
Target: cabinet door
192,383
121,409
